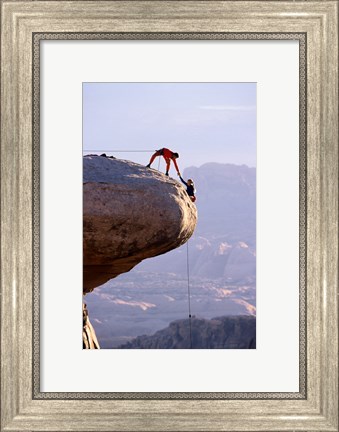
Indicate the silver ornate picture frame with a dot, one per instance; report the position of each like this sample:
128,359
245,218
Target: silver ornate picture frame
315,26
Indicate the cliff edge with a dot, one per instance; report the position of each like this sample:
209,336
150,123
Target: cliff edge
130,213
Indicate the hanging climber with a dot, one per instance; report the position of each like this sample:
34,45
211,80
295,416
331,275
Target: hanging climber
190,189
168,155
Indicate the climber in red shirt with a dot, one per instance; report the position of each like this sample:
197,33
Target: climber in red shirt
168,155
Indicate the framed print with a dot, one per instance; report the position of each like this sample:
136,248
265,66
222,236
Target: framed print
204,134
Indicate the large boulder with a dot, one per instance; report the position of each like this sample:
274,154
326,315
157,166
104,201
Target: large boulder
130,213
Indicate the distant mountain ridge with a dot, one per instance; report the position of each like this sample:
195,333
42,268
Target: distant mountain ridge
230,332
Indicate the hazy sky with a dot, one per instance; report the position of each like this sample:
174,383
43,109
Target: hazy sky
203,122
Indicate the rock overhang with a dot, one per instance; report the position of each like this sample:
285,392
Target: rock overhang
130,213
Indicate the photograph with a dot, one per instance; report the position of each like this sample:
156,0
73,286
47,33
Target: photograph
169,215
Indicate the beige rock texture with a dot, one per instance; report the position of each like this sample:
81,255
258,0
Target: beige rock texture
89,338
130,213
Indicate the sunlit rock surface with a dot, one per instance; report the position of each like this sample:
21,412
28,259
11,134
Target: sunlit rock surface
89,338
130,213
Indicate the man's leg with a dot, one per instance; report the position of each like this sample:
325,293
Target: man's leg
168,164
157,153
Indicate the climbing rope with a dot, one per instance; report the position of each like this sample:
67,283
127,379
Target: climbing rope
121,151
189,297
126,151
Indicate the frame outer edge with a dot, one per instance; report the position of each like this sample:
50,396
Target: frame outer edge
313,214
13,159
329,206
25,158
9,222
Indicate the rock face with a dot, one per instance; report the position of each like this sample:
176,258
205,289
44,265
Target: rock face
230,332
89,339
130,213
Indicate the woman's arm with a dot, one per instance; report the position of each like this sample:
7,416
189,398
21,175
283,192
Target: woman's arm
183,181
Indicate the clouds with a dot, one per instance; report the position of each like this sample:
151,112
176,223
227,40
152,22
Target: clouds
211,116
